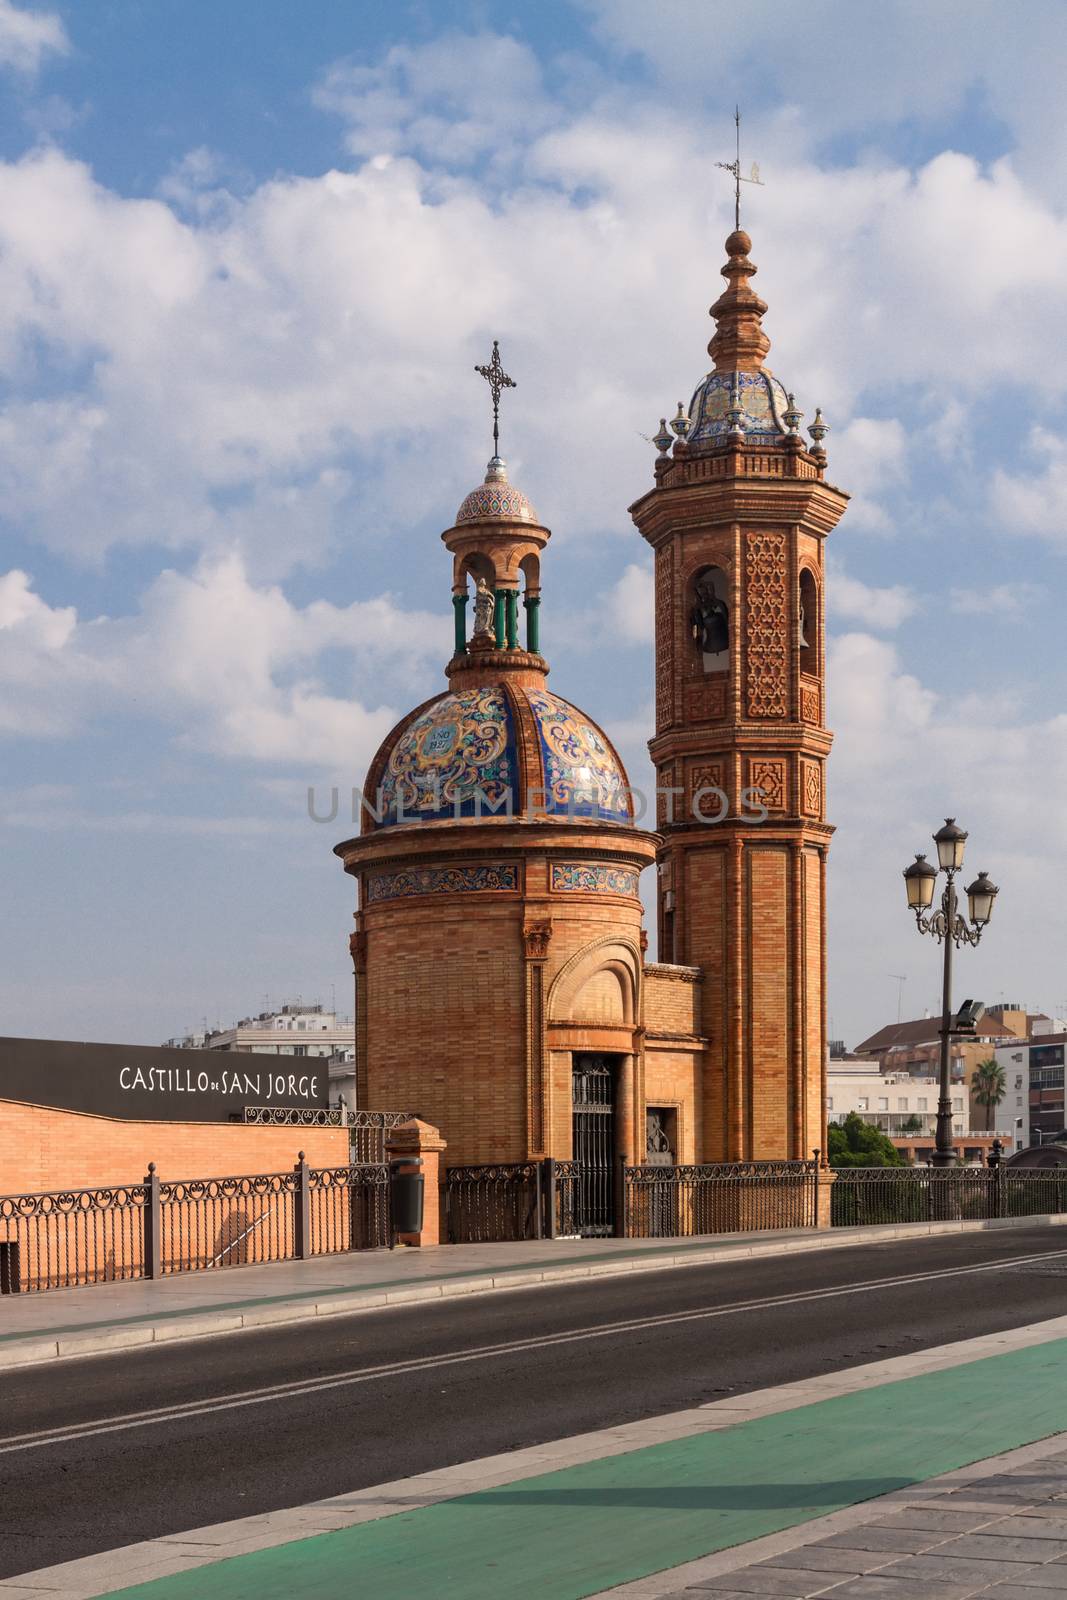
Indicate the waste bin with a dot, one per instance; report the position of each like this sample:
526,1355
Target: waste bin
407,1195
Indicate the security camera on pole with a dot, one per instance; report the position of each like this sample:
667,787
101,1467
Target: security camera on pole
951,929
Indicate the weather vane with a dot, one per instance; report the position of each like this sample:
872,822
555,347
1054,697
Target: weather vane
734,166
498,381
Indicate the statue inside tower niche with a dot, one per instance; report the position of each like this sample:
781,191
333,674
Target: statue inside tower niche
710,624
802,639
484,607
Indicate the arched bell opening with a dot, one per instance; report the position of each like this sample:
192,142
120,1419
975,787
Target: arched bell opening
530,566
808,622
709,618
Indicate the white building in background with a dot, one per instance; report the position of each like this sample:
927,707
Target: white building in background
1013,1113
893,1102
904,1108
293,1030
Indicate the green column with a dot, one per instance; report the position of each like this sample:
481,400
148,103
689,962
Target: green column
513,618
459,603
498,619
533,614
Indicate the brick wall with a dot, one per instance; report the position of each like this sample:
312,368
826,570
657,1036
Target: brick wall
43,1149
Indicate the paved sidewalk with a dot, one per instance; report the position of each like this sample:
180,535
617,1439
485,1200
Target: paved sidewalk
996,1529
63,1323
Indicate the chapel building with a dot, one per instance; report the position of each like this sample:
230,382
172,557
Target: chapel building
502,988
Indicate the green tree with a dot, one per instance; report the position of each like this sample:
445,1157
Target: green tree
989,1085
855,1143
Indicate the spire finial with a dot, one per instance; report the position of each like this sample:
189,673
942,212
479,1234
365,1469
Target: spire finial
734,166
498,381
739,343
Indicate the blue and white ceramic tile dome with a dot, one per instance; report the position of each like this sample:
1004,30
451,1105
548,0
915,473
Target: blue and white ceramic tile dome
461,758
764,403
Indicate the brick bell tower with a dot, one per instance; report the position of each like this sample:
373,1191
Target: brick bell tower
737,519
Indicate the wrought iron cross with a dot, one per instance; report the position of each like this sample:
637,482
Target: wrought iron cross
734,166
498,381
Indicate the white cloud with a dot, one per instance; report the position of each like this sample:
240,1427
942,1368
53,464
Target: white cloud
455,99
26,37
1001,600
877,607
834,68
1036,503
284,365
629,604
233,668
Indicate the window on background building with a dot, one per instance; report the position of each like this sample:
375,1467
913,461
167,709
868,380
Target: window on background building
922,1103
957,1103
829,1102
902,1102
863,1102
883,1103
1018,1097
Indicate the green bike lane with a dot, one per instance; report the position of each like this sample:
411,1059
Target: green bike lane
581,1529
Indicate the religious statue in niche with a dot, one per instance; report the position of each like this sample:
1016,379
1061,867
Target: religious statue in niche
710,625
484,607
658,1152
802,639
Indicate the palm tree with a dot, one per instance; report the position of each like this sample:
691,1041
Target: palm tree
989,1086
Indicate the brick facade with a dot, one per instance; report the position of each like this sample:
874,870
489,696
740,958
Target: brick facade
740,739
489,953
43,1149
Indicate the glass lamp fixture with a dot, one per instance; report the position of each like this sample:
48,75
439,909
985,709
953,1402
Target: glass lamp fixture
980,896
919,880
950,841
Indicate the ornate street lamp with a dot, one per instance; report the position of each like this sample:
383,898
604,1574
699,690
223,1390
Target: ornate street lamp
950,928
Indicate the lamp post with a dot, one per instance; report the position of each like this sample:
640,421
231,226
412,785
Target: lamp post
950,928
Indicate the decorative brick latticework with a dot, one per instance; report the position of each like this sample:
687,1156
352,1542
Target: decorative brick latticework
767,630
742,506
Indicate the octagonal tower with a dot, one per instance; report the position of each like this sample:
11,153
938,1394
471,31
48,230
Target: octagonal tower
738,519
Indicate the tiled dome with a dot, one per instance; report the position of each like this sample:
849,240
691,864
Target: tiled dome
462,755
764,403
496,500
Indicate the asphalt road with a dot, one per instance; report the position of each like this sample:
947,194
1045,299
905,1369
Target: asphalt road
385,1395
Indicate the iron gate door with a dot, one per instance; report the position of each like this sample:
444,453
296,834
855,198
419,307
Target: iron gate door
593,1091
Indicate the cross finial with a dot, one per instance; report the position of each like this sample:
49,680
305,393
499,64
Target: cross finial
734,166
498,381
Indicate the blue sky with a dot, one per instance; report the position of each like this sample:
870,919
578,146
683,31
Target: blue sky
249,255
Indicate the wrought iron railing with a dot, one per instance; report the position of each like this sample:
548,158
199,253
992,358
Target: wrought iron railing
161,1227
562,1192
67,1239
348,1209
226,1222
494,1202
367,1130
670,1202
882,1195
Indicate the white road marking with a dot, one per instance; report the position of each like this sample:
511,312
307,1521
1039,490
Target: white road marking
13,1443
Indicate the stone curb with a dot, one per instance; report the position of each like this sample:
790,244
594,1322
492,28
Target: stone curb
36,1348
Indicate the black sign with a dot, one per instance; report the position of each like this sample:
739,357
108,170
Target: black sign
148,1084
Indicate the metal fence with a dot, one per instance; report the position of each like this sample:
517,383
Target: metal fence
60,1240
494,1202
878,1195
161,1227
660,1202
367,1130
503,1201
